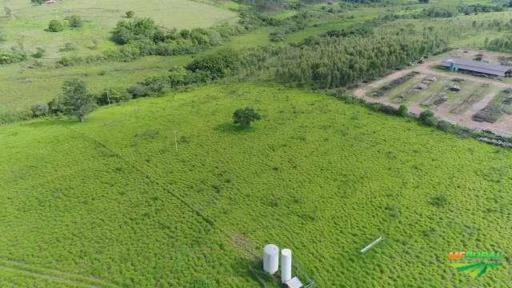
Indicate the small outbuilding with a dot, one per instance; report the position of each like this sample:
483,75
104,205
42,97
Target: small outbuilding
477,67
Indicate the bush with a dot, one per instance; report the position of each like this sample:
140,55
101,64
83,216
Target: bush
403,111
8,57
427,118
132,30
69,46
40,110
217,65
39,53
439,201
444,126
277,36
149,87
74,21
111,96
55,26
55,106
130,14
37,2
244,117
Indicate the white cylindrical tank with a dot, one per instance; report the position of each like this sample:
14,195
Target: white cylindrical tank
271,259
286,265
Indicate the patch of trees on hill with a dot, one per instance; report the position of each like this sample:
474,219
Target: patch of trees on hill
501,44
466,9
337,62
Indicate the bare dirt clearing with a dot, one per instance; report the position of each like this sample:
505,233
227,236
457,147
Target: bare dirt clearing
456,97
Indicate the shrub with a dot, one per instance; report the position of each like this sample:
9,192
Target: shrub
444,126
74,21
111,96
217,65
244,117
277,36
39,53
127,31
439,200
403,111
15,56
37,2
40,110
55,26
427,118
55,106
69,46
130,14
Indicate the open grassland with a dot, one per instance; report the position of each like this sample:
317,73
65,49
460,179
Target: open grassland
166,192
22,86
28,22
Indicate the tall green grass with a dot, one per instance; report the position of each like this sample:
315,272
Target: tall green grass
120,197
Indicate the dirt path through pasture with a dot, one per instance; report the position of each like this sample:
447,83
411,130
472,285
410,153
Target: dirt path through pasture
502,127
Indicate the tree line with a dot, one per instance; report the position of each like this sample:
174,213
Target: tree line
337,62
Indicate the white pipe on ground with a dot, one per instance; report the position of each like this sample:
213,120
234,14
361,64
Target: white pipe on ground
370,246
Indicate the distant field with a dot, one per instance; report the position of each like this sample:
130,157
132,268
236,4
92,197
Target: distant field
28,22
21,87
98,202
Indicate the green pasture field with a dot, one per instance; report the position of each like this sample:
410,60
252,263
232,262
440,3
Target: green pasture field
21,86
166,192
28,22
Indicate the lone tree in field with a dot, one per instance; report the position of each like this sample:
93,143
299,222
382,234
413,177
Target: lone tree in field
244,117
76,101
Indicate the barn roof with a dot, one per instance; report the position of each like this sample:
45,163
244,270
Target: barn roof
477,66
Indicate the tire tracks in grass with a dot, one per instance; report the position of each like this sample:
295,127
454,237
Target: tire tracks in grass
53,275
163,186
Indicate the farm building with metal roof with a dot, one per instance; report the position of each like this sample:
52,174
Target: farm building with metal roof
477,67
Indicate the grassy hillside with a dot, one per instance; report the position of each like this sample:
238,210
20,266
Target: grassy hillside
128,198
28,22
22,86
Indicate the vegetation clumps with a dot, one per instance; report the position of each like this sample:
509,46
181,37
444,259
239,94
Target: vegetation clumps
427,118
245,116
129,14
75,100
217,65
12,56
40,110
439,201
39,53
501,104
393,84
74,21
55,26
